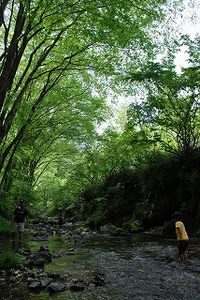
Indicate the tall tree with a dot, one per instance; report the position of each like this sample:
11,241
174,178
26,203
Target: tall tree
46,42
169,112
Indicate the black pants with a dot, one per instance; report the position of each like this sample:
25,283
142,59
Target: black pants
182,246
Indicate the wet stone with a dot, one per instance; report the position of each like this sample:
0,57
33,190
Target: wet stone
55,287
45,281
53,275
138,267
35,287
76,288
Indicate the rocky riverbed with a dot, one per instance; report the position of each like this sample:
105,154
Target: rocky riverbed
93,266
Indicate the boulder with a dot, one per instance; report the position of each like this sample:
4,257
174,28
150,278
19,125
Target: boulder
45,281
35,287
76,288
56,287
40,257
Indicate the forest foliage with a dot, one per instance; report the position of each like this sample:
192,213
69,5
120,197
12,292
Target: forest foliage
60,61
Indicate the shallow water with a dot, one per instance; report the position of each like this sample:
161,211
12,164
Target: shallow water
134,267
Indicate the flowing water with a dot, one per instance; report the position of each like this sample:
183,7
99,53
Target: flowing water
134,267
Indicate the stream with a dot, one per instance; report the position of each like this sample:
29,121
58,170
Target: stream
137,266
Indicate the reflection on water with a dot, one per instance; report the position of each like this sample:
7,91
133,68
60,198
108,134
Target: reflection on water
134,267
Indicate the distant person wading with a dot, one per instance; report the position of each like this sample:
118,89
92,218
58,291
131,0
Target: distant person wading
60,220
182,236
20,214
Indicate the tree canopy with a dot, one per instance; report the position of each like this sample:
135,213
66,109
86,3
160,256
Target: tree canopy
59,62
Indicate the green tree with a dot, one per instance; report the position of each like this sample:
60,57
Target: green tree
164,128
169,114
49,42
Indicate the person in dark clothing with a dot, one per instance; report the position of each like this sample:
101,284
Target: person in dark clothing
20,214
60,220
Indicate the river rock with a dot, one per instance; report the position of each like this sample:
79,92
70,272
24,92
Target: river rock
35,287
109,228
76,288
56,287
37,262
98,280
40,257
45,281
53,275
158,230
40,238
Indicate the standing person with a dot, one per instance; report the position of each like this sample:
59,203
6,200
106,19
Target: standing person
20,214
182,236
60,220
